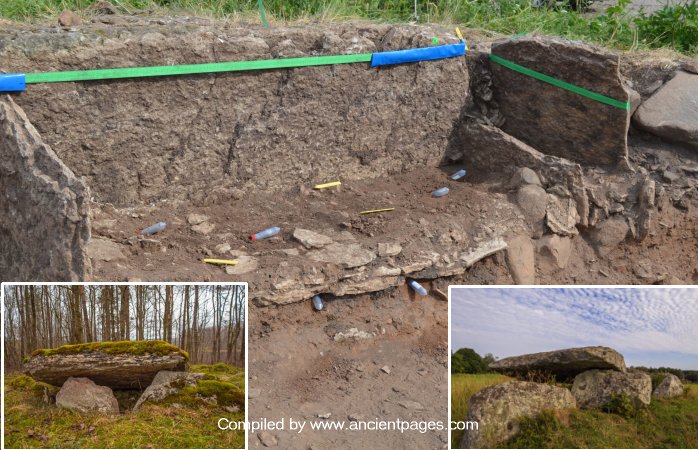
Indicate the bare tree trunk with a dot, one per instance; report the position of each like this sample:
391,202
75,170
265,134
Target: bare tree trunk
124,319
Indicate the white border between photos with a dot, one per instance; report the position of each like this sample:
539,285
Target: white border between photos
122,283
531,286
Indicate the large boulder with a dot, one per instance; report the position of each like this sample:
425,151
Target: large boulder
83,395
562,363
554,120
119,365
672,112
594,388
498,409
166,383
44,225
670,386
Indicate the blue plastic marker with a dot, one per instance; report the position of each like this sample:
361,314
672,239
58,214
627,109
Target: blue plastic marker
441,192
153,229
420,290
266,233
318,303
459,174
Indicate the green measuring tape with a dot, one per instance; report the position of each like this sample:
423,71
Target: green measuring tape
157,71
559,83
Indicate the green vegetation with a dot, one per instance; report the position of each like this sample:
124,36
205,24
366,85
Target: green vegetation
620,404
29,384
666,423
463,387
30,422
672,27
466,360
131,347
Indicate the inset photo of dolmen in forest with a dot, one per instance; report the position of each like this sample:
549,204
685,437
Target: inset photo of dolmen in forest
124,365
574,367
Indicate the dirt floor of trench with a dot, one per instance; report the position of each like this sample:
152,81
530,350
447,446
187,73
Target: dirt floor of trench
300,371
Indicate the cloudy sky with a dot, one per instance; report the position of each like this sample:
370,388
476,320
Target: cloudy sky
650,327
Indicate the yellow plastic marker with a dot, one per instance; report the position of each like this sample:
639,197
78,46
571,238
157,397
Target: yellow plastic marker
327,185
229,262
459,35
377,210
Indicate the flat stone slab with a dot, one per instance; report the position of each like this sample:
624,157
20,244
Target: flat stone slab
556,121
133,369
672,112
562,363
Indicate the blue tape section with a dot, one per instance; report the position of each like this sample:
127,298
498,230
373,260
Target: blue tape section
418,54
12,82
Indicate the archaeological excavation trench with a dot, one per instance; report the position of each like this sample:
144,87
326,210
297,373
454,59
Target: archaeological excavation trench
560,188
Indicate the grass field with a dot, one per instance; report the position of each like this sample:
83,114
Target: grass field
666,423
463,387
31,423
674,28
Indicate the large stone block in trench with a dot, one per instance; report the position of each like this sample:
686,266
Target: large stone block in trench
44,223
556,121
199,137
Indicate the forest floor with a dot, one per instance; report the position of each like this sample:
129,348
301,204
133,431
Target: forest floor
397,369
32,423
665,423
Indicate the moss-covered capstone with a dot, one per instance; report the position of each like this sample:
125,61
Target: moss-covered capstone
119,365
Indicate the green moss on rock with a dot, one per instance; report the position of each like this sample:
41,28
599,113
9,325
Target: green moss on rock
131,347
201,394
29,384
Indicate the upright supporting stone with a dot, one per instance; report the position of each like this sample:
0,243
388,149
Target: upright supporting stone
552,119
44,224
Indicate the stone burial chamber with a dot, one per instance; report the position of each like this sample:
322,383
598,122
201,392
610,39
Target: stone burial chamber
599,374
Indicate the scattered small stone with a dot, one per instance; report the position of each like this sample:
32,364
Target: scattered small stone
311,239
203,228
388,249
670,177
104,250
524,176
254,392
422,372
267,439
196,219
245,264
410,404
223,249
352,333
386,369
355,417
324,415
68,18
